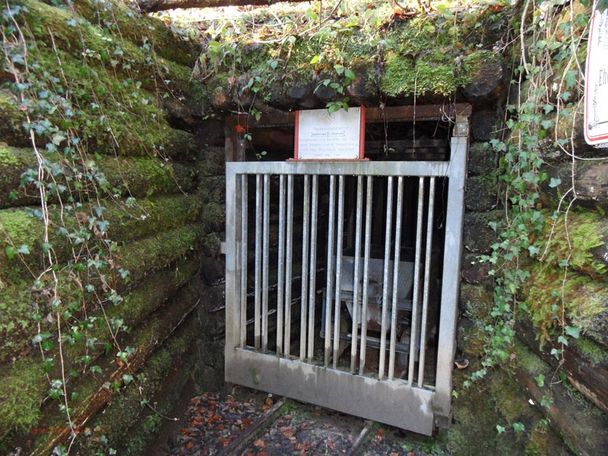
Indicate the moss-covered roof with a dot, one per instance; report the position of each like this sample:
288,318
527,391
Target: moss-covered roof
398,54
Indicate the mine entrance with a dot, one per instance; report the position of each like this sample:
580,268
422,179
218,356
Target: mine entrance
342,277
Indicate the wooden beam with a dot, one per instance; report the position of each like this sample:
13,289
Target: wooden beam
372,115
151,6
590,379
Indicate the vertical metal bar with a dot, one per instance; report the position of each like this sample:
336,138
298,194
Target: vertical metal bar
356,272
427,280
393,346
288,265
305,245
313,267
385,283
366,251
451,268
258,261
244,235
232,267
330,268
416,293
266,247
281,265
337,297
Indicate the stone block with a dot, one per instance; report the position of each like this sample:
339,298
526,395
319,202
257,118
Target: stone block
481,193
478,236
482,159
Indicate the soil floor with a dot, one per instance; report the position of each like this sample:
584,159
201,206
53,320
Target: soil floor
247,422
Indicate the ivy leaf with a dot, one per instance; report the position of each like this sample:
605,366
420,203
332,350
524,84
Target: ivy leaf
500,429
573,331
519,427
10,251
314,60
571,77
546,401
562,340
546,124
540,380
554,182
23,249
127,378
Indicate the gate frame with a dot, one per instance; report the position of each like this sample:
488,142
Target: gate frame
246,367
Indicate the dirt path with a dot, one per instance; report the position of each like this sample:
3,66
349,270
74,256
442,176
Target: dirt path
248,422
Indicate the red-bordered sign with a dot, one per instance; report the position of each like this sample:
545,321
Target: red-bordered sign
321,135
596,80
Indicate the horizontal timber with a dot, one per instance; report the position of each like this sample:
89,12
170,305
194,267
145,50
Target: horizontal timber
372,115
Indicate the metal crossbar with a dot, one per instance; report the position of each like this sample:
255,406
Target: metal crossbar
335,321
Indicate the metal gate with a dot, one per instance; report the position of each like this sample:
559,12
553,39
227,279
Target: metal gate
315,312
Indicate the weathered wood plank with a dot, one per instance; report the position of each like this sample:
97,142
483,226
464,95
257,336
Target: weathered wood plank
590,379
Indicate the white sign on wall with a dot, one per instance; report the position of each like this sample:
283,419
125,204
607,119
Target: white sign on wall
596,80
321,135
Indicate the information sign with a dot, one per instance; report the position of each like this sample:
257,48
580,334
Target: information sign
596,79
321,135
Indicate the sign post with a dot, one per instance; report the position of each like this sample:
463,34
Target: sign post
596,79
321,135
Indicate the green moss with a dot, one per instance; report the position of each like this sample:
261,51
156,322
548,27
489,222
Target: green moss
152,292
17,228
20,397
549,289
542,441
155,253
432,54
151,216
128,176
529,362
16,323
117,17
75,34
146,218
111,116
576,239
473,431
403,77
7,157
592,351
114,86
473,62
11,120
508,397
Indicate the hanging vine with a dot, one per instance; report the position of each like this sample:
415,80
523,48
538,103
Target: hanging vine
71,106
541,125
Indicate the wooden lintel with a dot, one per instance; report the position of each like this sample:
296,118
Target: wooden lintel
373,115
151,6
